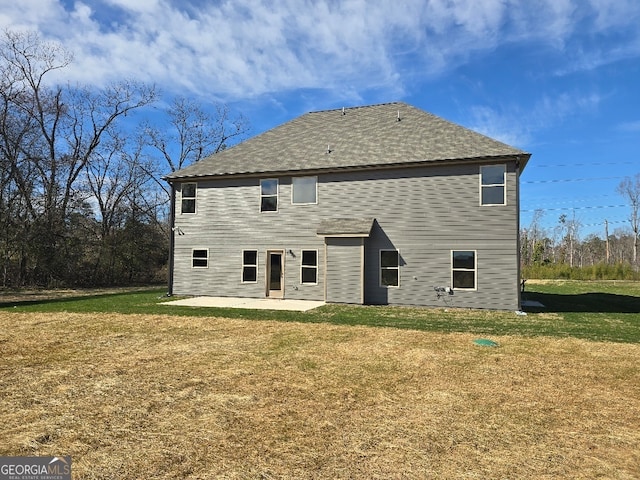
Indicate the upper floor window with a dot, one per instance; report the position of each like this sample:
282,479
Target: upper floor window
463,269
493,185
189,197
304,190
269,195
309,266
389,268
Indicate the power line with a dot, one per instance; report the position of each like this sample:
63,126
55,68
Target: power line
566,180
589,207
564,201
595,164
599,223
614,222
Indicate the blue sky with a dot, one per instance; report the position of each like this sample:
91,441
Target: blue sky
557,78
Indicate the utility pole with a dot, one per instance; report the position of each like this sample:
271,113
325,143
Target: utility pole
606,237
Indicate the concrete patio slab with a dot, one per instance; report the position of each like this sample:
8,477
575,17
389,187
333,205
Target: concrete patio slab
251,303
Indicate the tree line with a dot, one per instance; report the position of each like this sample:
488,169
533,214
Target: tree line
82,200
561,252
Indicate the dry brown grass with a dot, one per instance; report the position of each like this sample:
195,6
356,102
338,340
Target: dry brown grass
162,397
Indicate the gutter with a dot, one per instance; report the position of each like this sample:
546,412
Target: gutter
317,170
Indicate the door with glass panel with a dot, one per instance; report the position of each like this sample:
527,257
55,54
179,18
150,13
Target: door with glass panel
275,274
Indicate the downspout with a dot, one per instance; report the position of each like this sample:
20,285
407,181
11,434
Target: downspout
518,251
172,234
362,271
326,275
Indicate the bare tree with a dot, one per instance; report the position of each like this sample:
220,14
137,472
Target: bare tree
109,179
74,187
118,181
629,188
534,236
567,232
50,134
194,133
595,249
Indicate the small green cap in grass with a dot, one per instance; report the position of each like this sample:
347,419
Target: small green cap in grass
485,342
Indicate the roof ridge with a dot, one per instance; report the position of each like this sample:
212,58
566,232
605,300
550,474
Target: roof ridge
357,107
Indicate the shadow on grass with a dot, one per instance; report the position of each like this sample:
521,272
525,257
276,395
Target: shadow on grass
584,302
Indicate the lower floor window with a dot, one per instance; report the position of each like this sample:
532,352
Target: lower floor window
463,269
389,268
250,266
200,258
309,267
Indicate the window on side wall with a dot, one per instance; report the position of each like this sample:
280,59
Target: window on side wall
389,268
493,185
269,195
309,267
249,266
304,190
463,269
189,191
200,258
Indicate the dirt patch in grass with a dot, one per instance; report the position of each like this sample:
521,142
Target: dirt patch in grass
132,396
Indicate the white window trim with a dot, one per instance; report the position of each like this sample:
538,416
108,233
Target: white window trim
293,188
387,268
474,270
193,250
277,195
503,185
242,280
195,198
309,266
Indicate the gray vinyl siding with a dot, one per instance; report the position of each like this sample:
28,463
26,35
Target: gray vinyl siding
228,221
344,270
423,212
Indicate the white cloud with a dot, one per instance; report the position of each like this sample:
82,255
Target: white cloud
139,6
549,111
615,13
506,127
517,127
29,14
251,47
630,126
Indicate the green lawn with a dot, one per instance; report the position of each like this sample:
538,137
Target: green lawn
605,311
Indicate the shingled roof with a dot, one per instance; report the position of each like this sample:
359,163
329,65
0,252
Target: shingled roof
361,137
345,227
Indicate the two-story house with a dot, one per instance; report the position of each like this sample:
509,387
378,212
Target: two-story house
368,205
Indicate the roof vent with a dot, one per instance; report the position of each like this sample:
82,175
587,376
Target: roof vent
328,148
343,111
399,115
